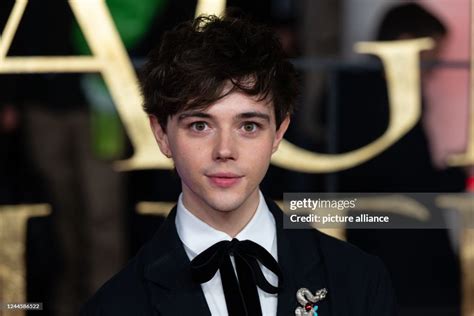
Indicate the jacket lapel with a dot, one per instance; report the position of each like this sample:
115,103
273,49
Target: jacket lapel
172,291
301,262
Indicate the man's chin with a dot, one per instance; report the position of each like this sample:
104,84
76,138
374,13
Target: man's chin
226,206
228,201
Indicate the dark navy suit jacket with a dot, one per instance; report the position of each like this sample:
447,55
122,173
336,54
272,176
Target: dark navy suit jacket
157,280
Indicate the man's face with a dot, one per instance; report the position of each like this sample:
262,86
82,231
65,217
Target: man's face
223,152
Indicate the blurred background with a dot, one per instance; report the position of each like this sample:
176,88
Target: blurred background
60,135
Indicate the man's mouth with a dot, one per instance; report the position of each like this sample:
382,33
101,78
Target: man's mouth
224,179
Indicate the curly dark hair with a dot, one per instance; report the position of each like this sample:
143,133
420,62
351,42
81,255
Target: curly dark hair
197,59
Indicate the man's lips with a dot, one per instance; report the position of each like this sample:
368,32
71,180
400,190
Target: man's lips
224,179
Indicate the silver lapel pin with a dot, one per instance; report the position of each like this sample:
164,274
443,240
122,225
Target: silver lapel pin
308,301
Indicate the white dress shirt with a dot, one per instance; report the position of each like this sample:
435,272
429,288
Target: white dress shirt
197,236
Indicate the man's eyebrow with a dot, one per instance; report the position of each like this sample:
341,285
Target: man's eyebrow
247,115
185,115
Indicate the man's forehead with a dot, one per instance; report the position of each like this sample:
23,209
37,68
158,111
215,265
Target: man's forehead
234,104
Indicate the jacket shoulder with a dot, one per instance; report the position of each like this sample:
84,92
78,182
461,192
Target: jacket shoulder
362,275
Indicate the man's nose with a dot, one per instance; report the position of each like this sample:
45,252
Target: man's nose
225,146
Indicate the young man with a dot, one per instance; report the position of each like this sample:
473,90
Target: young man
219,94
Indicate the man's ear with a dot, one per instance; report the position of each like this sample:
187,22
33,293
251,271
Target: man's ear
280,133
160,136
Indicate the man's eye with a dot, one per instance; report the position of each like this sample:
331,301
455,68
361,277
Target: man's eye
199,126
250,127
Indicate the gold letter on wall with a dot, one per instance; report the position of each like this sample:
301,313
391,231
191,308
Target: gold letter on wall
13,220
401,62
110,59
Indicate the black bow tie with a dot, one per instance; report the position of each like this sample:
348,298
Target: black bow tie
241,296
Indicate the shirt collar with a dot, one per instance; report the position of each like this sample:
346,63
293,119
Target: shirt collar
261,229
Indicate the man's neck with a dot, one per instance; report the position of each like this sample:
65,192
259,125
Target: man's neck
230,222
